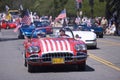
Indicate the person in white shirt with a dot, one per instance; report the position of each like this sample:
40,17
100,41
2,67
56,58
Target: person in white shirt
111,30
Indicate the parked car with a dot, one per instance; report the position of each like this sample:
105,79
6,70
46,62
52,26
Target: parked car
7,24
54,50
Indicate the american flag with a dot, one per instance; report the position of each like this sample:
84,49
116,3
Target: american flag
62,15
26,19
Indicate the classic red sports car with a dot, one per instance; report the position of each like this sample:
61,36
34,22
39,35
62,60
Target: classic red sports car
52,51
7,25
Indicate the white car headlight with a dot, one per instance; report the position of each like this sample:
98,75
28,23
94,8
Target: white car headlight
92,30
79,47
32,49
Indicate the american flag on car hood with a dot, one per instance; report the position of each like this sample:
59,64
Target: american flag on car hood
55,45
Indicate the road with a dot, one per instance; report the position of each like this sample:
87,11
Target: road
103,63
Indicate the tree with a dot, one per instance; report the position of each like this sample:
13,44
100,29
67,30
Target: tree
59,5
113,11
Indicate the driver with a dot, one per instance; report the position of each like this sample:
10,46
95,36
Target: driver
62,33
41,35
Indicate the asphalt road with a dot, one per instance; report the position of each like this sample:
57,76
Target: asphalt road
103,63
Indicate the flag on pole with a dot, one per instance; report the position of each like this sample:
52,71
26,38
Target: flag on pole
17,28
62,15
26,19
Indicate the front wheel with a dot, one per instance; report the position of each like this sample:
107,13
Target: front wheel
20,37
101,36
25,62
31,68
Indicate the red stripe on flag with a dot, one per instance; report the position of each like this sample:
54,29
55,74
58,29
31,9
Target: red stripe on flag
26,20
62,15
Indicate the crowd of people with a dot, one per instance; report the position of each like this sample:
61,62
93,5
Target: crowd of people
109,26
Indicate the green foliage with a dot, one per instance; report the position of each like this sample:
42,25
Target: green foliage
54,7
99,8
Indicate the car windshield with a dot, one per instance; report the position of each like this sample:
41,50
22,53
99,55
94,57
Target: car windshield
27,26
68,33
41,24
38,32
80,28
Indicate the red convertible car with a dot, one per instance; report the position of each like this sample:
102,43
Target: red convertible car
7,25
54,50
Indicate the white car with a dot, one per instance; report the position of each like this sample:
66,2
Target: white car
88,37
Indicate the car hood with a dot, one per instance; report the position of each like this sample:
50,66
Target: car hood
49,45
97,29
85,35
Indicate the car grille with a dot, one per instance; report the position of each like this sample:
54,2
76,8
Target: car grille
66,55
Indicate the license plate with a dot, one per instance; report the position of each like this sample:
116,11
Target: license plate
57,60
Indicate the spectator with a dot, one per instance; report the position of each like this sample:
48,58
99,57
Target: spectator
111,30
77,20
104,23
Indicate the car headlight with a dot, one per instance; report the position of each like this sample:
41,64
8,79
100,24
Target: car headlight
92,30
79,47
33,49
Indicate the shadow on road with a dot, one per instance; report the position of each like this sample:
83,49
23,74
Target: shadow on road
62,69
8,39
93,48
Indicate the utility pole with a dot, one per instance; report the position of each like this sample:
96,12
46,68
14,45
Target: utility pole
78,6
91,3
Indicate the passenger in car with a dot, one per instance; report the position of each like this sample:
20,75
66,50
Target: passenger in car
41,35
77,37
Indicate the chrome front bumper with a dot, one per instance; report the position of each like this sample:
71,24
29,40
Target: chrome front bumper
67,59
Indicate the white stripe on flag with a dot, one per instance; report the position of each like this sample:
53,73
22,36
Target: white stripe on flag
68,45
48,44
44,45
58,44
63,45
53,44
